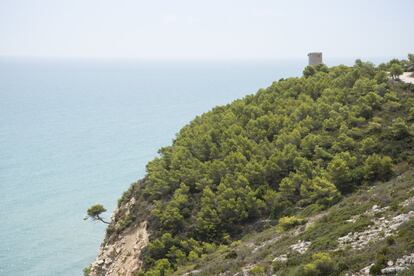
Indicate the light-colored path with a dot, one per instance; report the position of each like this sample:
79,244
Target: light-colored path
406,77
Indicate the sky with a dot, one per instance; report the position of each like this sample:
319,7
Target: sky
213,29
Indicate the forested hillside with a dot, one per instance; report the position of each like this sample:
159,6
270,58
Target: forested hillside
270,161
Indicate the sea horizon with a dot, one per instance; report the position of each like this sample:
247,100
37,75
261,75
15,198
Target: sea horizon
74,133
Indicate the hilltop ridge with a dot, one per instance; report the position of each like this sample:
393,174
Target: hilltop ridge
286,181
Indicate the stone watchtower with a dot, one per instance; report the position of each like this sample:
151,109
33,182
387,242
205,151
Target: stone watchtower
315,58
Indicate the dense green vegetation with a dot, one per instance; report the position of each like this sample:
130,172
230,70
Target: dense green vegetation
302,143
260,247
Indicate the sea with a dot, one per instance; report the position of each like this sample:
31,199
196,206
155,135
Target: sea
75,132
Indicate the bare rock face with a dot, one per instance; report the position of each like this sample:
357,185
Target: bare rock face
301,246
122,256
120,253
282,258
382,228
399,265
392,267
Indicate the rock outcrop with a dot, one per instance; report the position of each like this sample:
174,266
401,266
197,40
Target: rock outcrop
383,227
122,257
399,265
301,246
393,267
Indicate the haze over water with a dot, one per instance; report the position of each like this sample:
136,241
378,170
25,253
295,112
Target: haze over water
75,133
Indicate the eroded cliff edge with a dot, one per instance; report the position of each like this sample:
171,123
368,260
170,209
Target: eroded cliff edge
126,237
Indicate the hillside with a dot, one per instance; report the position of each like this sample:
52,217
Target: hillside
288,181
373,226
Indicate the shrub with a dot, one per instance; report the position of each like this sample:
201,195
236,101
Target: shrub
162,268
390,241
289,222
378,167
87,271
399,129
375,269
231,255
125,221
322,264
309,71
258,270
319,190
209,247
192,256
395,71
277,265
380,263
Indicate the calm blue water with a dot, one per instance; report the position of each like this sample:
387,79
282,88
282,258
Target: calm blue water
75,133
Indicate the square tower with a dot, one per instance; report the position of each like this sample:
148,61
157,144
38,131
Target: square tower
315,58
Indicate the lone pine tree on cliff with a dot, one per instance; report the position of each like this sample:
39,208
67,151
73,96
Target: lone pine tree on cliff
95,211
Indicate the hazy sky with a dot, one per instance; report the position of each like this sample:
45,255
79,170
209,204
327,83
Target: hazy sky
192,29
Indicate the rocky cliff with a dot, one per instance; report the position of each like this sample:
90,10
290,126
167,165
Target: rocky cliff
120,253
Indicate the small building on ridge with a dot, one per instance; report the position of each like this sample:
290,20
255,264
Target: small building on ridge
315,58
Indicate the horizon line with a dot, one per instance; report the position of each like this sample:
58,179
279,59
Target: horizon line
186,59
